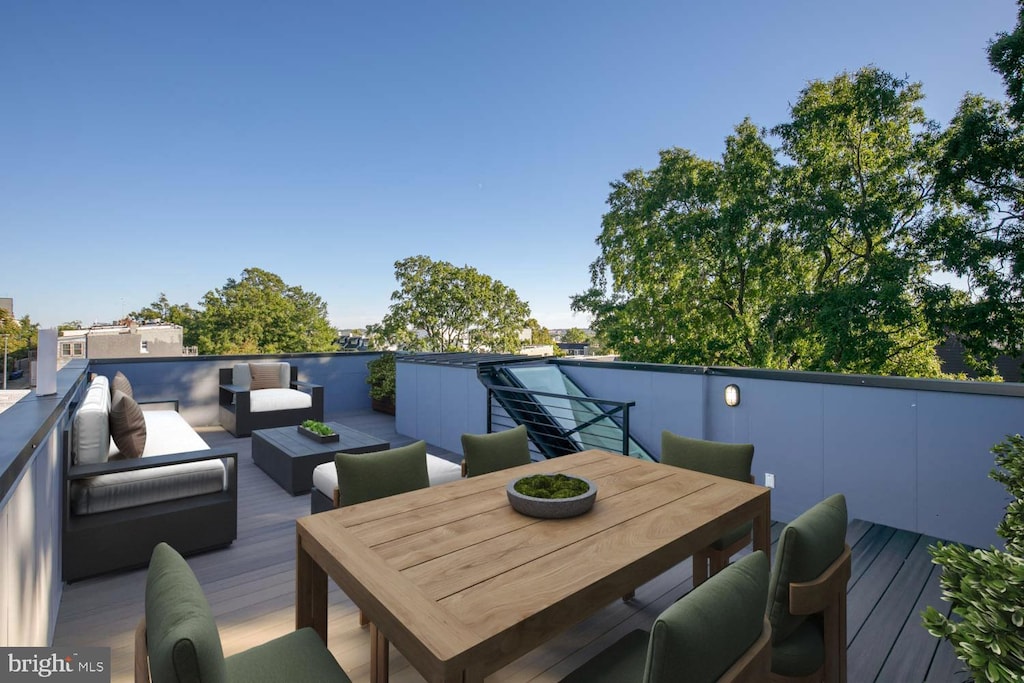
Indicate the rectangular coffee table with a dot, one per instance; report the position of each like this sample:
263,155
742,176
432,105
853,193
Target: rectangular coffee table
289,457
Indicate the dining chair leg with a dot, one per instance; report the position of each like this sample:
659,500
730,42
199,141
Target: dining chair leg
363,619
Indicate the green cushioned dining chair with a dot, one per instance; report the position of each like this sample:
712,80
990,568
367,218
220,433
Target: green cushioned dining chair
364,477
730,460
807,596
178,640
717,632
492,452
369,476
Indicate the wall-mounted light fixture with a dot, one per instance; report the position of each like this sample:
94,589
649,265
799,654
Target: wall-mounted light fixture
732,395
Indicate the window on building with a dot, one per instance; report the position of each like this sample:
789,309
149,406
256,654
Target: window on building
65,349
78,349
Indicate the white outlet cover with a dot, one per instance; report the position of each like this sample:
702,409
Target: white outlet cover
769,480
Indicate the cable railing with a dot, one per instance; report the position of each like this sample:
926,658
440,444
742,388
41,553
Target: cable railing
559,424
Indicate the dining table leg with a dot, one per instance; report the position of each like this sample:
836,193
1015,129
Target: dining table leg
763,528
378,655
310,593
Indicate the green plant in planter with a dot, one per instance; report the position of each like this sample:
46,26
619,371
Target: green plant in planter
382,377
986,587
551,486
318,427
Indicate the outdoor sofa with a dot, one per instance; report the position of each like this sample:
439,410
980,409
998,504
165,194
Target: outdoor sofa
116,509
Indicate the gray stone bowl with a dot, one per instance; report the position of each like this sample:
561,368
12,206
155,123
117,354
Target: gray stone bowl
552,508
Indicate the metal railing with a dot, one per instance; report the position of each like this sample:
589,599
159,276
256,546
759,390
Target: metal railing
559,424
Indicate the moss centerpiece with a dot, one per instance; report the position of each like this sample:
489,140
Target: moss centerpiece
318,431
551,496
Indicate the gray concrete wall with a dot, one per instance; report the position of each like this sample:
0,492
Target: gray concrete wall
439,403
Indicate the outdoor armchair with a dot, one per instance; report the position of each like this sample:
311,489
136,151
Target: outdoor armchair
177,640
730,460
266,395
807,596
492,452
717,632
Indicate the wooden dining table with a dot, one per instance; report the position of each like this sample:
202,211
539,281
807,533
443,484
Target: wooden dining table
462,584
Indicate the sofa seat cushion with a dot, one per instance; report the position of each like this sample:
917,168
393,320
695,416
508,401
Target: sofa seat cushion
168,433
439,471
267,400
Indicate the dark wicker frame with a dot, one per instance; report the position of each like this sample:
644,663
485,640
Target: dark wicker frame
237,419
124,539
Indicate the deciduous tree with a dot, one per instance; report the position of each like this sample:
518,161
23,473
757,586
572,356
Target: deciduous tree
442,307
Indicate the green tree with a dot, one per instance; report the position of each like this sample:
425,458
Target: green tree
261,314
21,334
694,256
859,183
575,335
541,335
69,325
977,233
442,307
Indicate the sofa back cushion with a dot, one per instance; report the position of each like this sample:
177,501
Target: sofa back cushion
241,375
90,428
181,635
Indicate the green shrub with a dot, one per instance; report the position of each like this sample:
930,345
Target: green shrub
986,587
382,377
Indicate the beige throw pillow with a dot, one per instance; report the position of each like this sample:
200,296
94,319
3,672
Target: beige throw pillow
127,426
264,376
121,383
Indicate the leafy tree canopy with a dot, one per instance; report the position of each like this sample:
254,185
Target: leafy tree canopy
442,307
541,335
21,334
749,261
163,310
261,314
574,335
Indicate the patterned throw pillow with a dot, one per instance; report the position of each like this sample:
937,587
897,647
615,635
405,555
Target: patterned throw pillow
121,383
127,426
264,376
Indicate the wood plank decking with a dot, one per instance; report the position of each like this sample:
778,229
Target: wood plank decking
251,589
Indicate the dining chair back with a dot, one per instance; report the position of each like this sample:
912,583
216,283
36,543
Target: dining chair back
177,640
717,632
369,476
485,453
807,596
729,460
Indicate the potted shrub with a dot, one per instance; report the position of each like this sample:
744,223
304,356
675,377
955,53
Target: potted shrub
382,383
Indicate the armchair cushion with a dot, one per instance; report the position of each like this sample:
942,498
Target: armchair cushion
267,400
181,635
807,546
369,476
127,426
265,376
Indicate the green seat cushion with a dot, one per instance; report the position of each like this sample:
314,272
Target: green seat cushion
806,548
730,460
498,451
369,476
298,656
802,653
622,662
705,632
181,635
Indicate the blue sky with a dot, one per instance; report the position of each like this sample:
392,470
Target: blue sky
164,147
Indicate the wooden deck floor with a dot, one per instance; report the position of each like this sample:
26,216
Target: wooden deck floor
251,588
